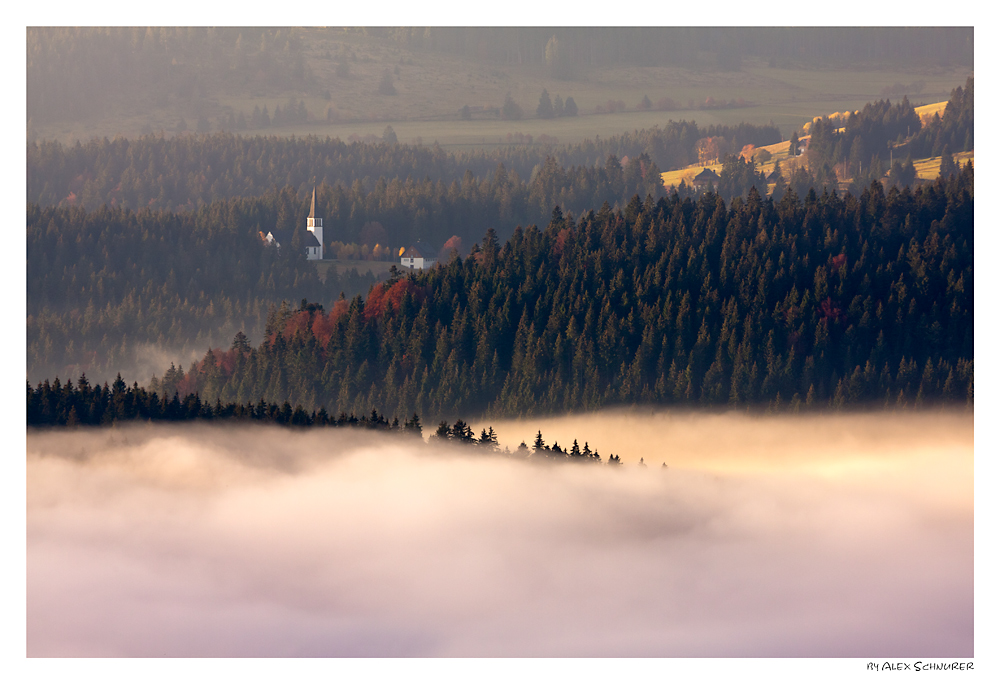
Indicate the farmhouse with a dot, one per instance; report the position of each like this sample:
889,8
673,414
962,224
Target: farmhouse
420,255
312,240
705,178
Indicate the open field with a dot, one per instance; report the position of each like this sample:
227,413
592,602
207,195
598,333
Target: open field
931,109
377,268
779,155
927,169
432,88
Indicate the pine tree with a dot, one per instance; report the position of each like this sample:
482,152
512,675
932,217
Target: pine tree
545,109
539,446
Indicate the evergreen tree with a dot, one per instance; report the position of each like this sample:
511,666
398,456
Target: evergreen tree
539,446
385,84
545,109
511,111
948,166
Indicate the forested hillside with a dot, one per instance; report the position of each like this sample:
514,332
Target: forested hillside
103,283
187,269
883,137
826,301
186,172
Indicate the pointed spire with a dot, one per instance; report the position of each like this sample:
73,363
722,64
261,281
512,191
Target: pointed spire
312,209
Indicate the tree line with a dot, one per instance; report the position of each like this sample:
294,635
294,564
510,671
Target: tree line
83,404
182,173
55,404
826,301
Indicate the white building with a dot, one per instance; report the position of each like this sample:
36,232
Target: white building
312,241
419,255
315,226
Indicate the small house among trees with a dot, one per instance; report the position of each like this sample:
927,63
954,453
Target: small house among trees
420,255
705,178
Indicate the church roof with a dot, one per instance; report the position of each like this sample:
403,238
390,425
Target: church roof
284,237
312,209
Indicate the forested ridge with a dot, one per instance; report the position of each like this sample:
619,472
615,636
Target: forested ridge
101,282
83,404
181,173
106,282
828,301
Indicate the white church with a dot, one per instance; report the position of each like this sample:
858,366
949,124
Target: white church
313,242
417,256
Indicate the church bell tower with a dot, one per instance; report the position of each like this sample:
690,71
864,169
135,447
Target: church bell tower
315,225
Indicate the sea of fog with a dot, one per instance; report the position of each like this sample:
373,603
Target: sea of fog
841,535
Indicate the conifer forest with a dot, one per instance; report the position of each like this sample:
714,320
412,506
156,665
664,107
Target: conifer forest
346,345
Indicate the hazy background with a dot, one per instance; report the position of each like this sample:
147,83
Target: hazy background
86,82
819,536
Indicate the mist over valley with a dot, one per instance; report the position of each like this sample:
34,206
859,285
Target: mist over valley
826,536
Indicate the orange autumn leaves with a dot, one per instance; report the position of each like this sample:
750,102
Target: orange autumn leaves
321,324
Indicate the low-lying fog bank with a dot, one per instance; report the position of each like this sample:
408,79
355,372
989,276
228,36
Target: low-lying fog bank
789,536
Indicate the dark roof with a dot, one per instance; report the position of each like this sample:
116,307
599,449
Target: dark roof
421,250
773,176
284,237
706,175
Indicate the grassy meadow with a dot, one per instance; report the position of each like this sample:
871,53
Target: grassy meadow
927,169
779,155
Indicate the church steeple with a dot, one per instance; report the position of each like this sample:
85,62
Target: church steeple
314,225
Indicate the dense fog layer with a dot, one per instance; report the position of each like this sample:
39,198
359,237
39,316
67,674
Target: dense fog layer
805,536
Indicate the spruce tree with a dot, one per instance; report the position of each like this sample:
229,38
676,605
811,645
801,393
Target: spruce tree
545,110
